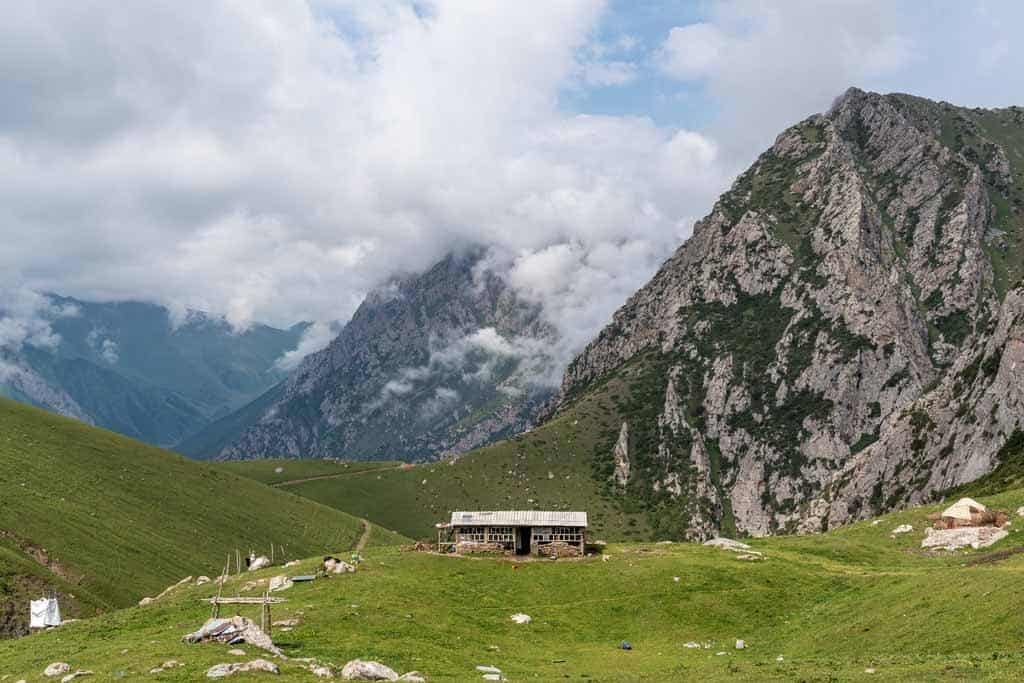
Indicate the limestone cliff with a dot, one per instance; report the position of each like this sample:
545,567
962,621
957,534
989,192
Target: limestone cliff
841,335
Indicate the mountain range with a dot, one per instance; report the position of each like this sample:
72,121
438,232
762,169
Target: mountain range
431,365
134,369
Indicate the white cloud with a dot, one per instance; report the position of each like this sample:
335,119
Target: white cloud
317,336
276,160
693,51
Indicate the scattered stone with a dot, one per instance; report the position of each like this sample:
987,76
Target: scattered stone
77,674
278,470
740,645
333,565
876,522
359,670
901,529
166,666
488,669
287,622
727,544
412,677
692,645
321,671
280,583
145,601
225,670
749,557
869,670
237,652
676,579
493,677
202,580
780,658
293,563
1020,511
258,562
961,537
719,654
521,618
56,669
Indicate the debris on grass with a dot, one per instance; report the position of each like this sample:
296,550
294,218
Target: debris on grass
360,670
233,631
77,674
521,618
625,645
166,666
728,544
256,665
56,669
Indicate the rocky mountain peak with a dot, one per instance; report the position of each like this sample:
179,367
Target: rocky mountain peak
430,365
860,263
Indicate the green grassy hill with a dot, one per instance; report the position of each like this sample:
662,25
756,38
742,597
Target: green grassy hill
118,519
828,607
551,467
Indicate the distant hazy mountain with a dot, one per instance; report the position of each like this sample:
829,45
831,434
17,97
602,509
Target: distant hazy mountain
431,365
127,367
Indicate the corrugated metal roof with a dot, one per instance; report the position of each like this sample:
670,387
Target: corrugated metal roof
519,518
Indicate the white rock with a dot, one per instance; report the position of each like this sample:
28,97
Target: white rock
493,677
780,658
412,677
692,645
77,674
676,579
521,618
359,670
321,671
225,670
876,522
280,583
202,580
902,529
488,669
954,539
259,563
278,470
740,645
293,563
1020,511
237,652
145,601
727,544
56,669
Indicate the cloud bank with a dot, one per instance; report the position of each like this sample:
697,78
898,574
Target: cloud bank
276,159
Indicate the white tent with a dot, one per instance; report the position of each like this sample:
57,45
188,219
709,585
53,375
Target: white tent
44,612
963,508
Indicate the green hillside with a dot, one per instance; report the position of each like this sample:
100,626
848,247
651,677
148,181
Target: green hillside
293,469
119,519
853,604
556,466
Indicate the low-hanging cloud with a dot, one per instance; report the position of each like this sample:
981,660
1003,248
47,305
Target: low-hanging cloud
275,160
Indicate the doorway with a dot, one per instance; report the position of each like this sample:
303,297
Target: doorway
523,540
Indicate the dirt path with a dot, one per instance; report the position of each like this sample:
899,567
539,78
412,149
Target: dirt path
361,543
339,475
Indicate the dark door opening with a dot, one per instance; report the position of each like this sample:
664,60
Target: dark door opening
523,546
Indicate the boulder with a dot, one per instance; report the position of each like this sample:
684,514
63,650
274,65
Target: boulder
235,629
145,601
521,618
902,529
256,665
359,670
202,580
727,544
280,583
258,562
962,537
56,669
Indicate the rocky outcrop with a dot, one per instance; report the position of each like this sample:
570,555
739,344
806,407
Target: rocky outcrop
429,366
620,455
841,334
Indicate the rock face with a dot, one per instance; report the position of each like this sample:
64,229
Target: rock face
432,365
842,335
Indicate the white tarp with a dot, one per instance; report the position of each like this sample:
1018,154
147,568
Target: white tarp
44,612
962,509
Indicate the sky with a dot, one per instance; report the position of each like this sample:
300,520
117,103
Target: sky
273,160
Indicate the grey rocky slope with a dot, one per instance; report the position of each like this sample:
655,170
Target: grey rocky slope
431,365
134,369
841,335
